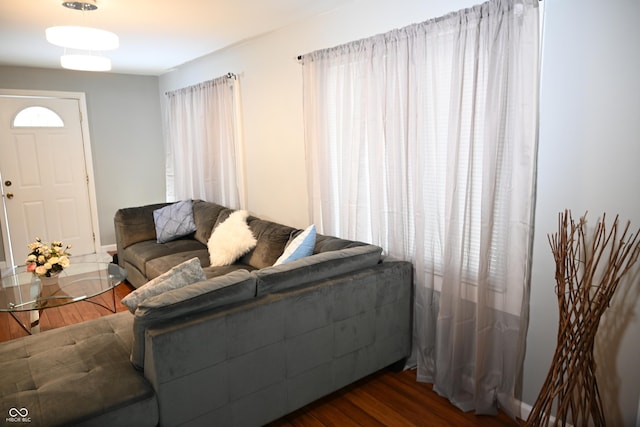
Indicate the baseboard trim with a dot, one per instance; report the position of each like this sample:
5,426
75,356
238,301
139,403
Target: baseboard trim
108,248
525,411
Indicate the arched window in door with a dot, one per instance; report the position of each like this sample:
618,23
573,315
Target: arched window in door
40,117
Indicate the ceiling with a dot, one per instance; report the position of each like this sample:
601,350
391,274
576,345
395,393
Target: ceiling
155,35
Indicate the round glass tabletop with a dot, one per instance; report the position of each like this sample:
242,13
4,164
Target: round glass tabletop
23,291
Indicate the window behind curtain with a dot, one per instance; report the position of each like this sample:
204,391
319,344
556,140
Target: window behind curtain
204,150
373,143
423,141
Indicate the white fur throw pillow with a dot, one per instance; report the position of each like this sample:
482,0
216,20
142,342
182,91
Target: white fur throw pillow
230,240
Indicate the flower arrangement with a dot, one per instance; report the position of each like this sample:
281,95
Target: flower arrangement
47,260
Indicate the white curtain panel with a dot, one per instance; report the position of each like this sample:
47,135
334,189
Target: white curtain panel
423,140
203,147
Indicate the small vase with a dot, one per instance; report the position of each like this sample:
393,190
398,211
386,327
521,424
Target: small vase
49,281
47,289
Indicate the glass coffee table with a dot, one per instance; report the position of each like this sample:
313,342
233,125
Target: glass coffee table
22,292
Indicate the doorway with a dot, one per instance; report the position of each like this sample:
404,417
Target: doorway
46,173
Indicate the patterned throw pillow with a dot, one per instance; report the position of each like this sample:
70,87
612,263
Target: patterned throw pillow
174,221
300,247
181,275
230,240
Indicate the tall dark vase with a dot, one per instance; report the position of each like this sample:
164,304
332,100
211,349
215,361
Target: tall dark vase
588,270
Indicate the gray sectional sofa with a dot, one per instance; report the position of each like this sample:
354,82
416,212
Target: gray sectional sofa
246,346
145,259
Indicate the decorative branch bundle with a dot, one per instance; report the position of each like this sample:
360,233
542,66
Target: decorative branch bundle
588,272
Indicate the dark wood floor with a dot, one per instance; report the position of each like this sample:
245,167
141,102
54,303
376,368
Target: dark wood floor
65,315
388,399
383,399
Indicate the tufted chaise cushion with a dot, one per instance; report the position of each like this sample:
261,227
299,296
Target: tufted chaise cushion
77,375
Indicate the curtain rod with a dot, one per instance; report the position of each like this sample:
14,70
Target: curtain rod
229,75
299,57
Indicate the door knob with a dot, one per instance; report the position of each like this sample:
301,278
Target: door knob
9,195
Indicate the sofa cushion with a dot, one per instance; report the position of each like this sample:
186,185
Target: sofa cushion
181,275
139,254
134,276
174,221
230,240
330,243
272,239
205,215
310,269
160,265
220,291
221,270
133,225
299,247
77,375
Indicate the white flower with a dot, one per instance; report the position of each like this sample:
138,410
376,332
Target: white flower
46,259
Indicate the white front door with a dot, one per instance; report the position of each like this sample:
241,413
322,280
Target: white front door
45,185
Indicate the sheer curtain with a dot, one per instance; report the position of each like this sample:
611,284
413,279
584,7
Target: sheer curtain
204,145
423,140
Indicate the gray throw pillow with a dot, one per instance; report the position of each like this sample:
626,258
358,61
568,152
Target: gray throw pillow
181,275
174,221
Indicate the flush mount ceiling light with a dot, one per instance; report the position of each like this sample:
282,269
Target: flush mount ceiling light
83,39
83,62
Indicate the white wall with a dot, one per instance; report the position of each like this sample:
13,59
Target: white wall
589,148
588,161
271,84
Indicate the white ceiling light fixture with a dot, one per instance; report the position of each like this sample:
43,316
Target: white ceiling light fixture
84,62
85,39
